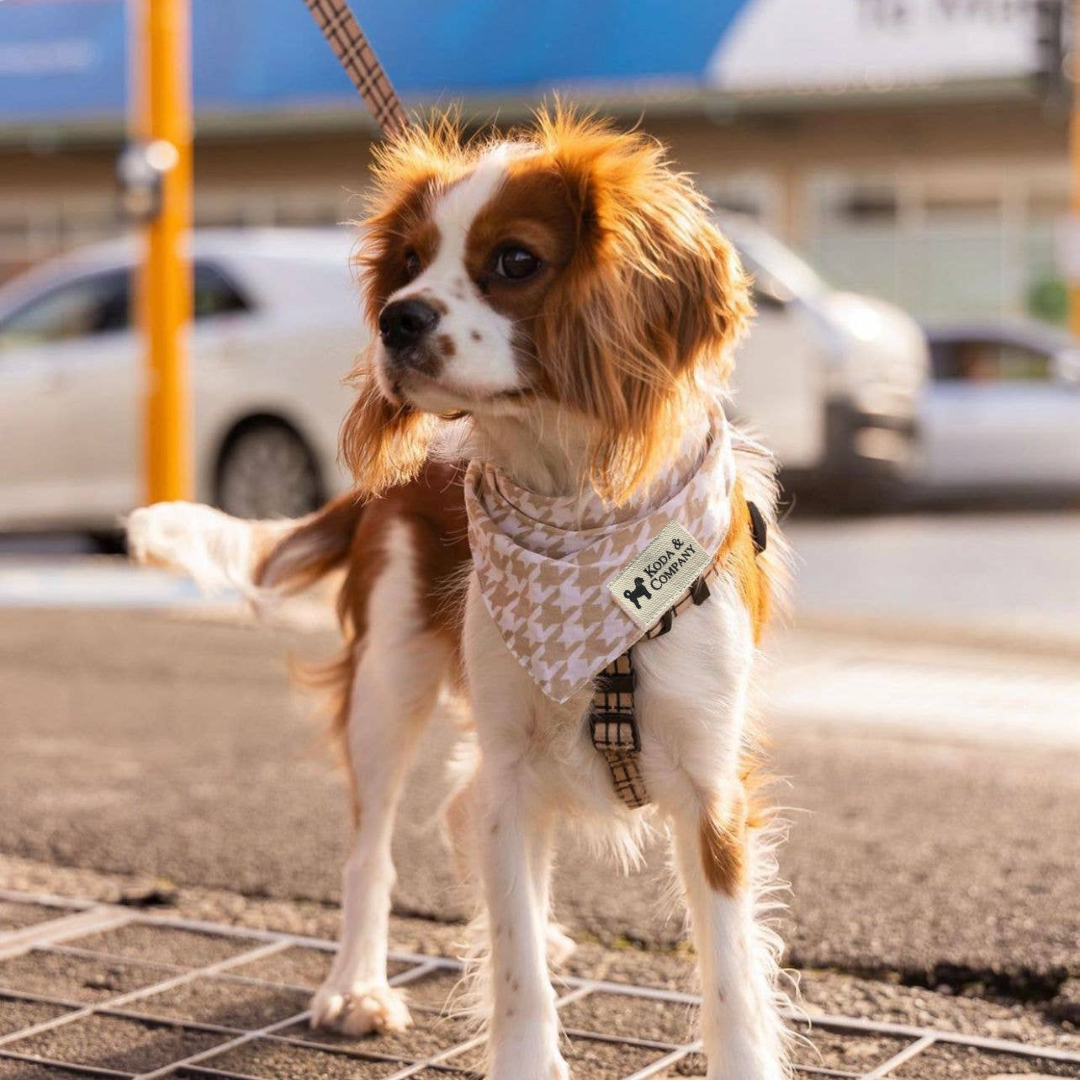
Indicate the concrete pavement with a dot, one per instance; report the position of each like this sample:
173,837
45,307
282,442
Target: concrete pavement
152,744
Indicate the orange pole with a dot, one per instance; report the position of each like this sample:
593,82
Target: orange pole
162,55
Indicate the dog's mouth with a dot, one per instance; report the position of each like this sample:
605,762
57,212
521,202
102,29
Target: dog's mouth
444,397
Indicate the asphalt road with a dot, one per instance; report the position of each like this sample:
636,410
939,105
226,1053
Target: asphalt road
168,744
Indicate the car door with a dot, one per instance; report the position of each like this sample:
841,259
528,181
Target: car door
67,404
778,382
1065,415
995,418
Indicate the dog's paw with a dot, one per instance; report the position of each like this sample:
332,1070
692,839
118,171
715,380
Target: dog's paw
360,1010
528,1053
556,1070
755,1064
560,947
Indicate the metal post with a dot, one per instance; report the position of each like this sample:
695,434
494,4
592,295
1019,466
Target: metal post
161,60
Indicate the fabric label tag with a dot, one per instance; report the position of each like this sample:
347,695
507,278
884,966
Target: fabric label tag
654,581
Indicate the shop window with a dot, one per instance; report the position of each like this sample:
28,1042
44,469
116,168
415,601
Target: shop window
869,206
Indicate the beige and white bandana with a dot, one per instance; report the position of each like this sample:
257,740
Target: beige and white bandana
551,569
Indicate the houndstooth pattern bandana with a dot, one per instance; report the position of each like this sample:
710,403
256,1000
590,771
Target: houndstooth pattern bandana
545,564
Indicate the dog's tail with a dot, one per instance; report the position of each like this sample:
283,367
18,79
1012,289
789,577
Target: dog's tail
262,560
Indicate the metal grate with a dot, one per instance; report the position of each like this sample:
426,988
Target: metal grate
93,990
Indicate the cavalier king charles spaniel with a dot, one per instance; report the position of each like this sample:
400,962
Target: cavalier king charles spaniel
557,309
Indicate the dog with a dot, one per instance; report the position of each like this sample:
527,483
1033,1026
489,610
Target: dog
561,302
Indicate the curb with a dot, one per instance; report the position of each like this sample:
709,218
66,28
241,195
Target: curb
990,637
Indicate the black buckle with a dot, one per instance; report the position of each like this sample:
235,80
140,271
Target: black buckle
621,683
619,723
759,529
699,591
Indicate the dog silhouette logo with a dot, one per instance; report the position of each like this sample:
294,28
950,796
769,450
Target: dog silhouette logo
638,593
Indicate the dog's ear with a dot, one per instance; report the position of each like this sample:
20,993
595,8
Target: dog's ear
654,296
381,443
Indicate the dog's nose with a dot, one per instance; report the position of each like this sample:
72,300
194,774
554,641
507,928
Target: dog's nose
405,322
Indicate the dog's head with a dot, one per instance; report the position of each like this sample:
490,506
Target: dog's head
568,265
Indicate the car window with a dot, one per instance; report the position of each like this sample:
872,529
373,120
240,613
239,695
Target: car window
101,303
214,293
977,361
96,304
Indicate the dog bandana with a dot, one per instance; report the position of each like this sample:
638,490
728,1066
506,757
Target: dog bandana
571,583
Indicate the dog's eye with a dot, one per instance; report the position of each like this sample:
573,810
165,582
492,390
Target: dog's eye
412,264
516,264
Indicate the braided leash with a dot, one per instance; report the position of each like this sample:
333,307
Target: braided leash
341,30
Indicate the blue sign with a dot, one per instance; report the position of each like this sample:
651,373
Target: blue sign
66,60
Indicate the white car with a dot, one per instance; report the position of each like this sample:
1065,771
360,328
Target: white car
276,328
1002,416
828,380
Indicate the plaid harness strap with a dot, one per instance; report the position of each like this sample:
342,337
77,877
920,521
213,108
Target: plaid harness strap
612,717
615,731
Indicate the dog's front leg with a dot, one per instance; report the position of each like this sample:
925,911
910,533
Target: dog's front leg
693,686
514,848
462,824
741,1027
523,1027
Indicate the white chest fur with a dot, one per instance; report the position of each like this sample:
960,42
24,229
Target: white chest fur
692,688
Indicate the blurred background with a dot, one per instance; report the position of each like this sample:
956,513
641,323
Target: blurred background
898,176
915,153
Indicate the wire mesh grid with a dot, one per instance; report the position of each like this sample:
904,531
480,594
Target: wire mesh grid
95,990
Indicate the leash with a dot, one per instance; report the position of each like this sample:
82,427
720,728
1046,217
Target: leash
341,30
612,716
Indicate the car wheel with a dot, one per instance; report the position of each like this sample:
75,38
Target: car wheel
267,471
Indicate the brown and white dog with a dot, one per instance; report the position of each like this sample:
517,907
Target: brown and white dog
563,297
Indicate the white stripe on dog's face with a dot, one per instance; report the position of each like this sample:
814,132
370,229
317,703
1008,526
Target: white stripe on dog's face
472,343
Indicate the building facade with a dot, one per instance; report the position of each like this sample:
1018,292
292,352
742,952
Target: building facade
906,146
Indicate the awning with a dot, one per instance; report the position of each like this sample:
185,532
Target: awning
64,61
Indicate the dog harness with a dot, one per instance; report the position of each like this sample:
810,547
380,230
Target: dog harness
573,584
612,717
